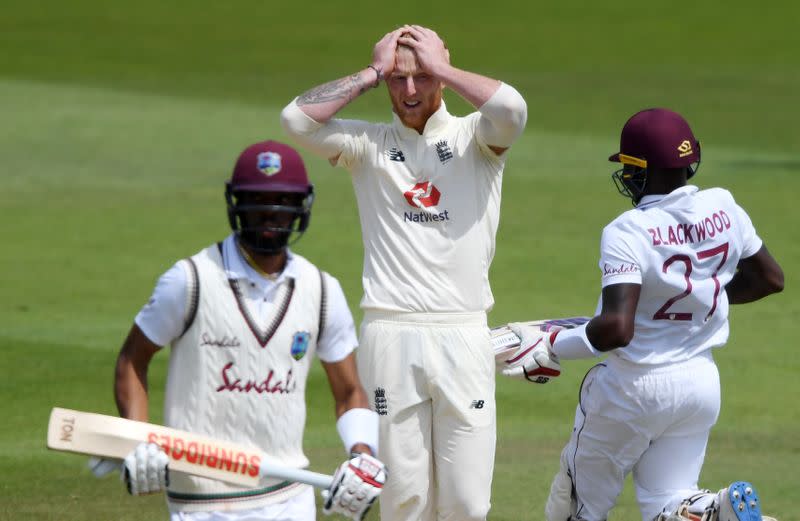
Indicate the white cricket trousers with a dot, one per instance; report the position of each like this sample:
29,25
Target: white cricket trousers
431,378
652,421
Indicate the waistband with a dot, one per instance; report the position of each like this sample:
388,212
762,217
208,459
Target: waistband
433,319
622,365
197,501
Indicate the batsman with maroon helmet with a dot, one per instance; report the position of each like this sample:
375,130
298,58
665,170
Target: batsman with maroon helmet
245,317
670,267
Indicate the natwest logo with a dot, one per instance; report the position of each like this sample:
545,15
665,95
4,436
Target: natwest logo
423,195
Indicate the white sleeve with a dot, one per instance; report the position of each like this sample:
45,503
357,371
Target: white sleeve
162,319
751,242
337,139
503,117
339,332
619,263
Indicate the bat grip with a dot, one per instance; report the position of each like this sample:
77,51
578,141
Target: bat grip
315,479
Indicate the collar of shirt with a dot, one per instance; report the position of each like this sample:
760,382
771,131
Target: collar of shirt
435,124
651,200
236,266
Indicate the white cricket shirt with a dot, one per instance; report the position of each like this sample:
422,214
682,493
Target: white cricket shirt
429,206
162,319
238,367
683,248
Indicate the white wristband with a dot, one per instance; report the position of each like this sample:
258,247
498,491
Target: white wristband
358,426
573,343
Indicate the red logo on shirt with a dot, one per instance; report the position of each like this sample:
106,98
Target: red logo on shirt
270,385
423,195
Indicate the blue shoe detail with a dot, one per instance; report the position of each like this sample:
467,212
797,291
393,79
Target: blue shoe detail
744,501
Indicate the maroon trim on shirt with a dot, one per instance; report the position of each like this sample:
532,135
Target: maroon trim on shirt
193,287
323,305
264,336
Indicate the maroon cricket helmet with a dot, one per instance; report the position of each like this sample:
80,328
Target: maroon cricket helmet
269,166
657,138
264,168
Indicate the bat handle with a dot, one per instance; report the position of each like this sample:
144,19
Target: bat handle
315,479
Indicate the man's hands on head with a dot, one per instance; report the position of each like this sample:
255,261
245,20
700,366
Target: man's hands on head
144,470
356,484
533,360
432,55
383,55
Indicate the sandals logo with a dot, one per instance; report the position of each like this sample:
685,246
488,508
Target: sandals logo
232,381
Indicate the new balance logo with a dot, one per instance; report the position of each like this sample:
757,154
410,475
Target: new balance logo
476,404
443,151
396,154
381,404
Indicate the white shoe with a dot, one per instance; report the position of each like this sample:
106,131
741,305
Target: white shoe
698,513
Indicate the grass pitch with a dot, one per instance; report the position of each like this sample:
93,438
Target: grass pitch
120,124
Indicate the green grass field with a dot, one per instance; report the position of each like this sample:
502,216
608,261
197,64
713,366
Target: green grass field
119,124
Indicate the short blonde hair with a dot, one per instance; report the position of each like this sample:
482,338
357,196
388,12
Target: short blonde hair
403,49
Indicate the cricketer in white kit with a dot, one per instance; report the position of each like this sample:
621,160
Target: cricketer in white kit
670,268
245,317
428,190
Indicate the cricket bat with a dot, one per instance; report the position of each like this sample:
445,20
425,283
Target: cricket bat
113,437
505,340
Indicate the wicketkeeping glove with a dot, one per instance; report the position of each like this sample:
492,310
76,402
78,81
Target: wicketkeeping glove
533,360
357,483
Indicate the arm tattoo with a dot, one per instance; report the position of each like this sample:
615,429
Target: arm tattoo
343,88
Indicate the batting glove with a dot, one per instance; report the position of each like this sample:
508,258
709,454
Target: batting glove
357,483
533,360
145,470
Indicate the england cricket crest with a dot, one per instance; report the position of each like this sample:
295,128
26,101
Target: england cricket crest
269,163
443,151
381,403
300,344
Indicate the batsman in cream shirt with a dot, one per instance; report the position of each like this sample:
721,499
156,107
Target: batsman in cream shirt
229,385
428,191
